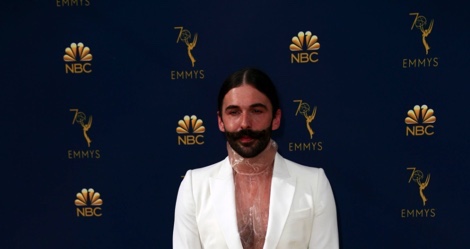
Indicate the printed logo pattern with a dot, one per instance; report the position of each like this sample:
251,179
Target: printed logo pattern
185,36
417,176
303,145
88,203
416,117
420,23
190,125
304,41
88,197
422,181
304,38
77,59
420,113
304,109
77,53
185,125
80,118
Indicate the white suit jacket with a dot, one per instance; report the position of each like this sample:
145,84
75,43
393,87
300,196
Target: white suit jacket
302,211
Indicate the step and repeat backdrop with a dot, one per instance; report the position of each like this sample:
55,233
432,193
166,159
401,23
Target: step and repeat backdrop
106,105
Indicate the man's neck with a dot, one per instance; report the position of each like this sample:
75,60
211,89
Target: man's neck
257,165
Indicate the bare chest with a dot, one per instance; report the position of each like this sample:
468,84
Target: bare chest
252,195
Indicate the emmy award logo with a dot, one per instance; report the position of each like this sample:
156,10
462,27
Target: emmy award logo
304,109
420,23
185,36
417,176
80,118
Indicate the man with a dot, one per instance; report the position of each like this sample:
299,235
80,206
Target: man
254,198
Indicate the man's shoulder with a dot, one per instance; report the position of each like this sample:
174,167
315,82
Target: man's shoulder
209,169
201,177
300,169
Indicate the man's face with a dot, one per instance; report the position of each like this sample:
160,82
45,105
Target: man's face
247,120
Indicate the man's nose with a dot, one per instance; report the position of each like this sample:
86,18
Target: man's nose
245,121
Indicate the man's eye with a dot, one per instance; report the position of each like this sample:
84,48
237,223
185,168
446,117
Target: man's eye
233,112
257,111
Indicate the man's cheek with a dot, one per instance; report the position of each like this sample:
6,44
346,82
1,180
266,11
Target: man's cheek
231,124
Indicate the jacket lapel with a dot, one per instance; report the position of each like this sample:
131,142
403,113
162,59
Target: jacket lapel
282,193
223,201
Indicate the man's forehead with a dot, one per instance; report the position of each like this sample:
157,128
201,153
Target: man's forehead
254,105
245,91
246,96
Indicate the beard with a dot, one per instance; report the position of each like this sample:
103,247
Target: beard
251,149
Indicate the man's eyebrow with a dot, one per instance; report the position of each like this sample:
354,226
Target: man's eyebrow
259,105
255,105
232,107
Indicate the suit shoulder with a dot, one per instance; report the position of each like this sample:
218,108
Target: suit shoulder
303,170
207,171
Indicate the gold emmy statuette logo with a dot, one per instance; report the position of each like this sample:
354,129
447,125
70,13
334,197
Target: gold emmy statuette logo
419,115
185,36
309,114
88,203
187,125
304,40
417,176
420,23
304,109
190,42
80,118
77,58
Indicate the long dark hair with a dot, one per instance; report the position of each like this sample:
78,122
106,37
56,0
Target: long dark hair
254,77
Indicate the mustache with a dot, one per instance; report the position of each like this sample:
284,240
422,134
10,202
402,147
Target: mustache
249,133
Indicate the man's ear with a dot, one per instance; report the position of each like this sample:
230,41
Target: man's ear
220,122
276,120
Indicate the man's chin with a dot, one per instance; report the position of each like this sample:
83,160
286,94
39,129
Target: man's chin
247,150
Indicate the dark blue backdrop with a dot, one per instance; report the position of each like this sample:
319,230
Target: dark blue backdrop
372,68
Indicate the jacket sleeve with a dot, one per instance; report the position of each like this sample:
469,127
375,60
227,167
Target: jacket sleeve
185,230
325,226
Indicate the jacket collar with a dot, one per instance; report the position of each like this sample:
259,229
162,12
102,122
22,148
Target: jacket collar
282,193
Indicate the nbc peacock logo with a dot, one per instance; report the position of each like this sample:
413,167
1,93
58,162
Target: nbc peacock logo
190,130
304,41
77,59
88,203
419,121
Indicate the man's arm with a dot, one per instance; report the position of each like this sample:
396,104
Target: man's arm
325,225
185,230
